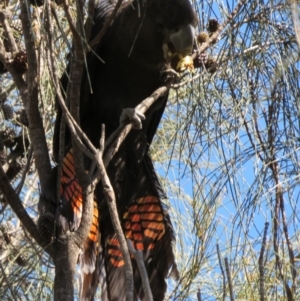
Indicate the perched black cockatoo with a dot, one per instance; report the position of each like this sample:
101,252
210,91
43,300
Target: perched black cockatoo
134,52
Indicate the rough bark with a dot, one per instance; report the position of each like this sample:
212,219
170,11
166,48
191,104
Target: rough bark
65,260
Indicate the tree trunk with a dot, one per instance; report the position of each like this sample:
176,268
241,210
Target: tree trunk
65,262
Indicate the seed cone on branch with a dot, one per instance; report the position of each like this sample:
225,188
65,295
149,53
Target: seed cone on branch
202,37
20,62
22,118
213,25
46,226
200,60
211,65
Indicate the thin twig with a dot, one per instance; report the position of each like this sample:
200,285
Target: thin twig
58,24
199,298
289,245
10,287
72,25
54,77
138,255
31,101
228,58
261,265
118,136
215,35
222,271
109,149
111,201
229,279
4,15
17,77
15,203
89,22
279,204
25,171
85,145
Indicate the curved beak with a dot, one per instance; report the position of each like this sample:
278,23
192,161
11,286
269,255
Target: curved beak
183,40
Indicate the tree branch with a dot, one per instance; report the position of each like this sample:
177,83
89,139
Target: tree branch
118,136
112,206
4,15
15,203
138,255
222,271
30,100
215,35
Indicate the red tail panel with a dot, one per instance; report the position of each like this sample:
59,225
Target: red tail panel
71,196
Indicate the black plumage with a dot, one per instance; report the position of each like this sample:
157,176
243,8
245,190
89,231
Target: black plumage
135,49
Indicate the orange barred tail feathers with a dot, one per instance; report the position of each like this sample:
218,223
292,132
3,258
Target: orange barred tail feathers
70,218
91,245
143,223
71,195
89,278
147,224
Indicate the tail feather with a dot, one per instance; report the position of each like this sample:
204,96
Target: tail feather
71,195
88,285
114,288
147,225
71,213
91,245
145,222
90,265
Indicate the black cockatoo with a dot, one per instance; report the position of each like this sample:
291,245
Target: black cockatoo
134,52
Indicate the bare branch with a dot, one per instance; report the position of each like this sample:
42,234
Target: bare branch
113,211
138,255
15,203
118,136
31,100
222,271
71,22
4,15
